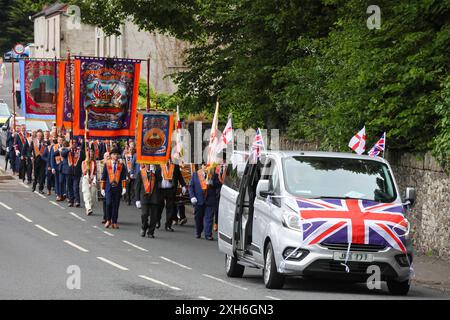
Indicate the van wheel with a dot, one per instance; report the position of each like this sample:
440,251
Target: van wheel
272,278
398,288
233,269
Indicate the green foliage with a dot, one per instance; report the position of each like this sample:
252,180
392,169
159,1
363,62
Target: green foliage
15,25
309,67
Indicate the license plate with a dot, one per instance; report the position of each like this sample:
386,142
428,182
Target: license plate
353,256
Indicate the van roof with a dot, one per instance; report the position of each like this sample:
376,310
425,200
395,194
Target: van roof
326,154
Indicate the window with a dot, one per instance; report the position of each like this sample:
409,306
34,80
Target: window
314,177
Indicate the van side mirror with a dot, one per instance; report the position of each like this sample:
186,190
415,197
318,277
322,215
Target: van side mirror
4,128
410,196
262,189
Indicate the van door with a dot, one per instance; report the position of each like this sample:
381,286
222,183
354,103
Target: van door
265,213
227,208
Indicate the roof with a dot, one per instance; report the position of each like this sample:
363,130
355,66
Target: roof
290,153
50,10
345,155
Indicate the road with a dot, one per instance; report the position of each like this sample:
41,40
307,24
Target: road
40,239
6,89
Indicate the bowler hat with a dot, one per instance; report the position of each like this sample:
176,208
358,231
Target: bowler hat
115,150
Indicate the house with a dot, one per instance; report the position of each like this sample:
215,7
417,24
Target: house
54,36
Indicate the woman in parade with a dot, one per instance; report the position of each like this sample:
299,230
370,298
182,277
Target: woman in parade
89,182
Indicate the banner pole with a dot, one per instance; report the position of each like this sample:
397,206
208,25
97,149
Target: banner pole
148,85
56,91
13,94
69,65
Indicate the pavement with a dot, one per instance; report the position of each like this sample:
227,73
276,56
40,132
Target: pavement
44,244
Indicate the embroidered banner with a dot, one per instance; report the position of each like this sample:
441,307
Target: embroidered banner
109,89
154,138
38,83
64,110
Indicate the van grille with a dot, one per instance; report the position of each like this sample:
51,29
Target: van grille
354,247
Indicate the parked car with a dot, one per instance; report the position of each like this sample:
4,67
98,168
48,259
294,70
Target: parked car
31,126
315,214
4,112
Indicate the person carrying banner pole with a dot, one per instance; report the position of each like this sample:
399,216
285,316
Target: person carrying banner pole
56,165
113,187
36,154
89,181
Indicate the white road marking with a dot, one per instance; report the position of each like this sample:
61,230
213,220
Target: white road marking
135,246
23,217
204,298
5,206
176,263
77,216
273,298
46,230
76,246
23,184
57,204
225,282
118,266
40,195
160,283
105,232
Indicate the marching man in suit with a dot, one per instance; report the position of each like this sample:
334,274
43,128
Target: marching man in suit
203,193
148,182
113,187
56,165
21,147
171,177
73,158
36,154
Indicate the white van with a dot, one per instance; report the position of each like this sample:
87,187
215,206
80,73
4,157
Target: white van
315,214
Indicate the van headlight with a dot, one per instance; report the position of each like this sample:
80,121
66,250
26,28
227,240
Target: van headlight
292,221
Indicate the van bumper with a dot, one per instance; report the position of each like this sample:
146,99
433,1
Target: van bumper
318,260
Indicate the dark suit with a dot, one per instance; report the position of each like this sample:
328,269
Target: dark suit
168,196
48,166
113,193
56,164
73,173
149,201
21,159
205,206
37,151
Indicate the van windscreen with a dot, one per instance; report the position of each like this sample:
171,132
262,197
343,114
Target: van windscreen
323,177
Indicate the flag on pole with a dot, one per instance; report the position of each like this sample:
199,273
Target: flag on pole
378,146
257,145
213,139
227,136
358,141
179,139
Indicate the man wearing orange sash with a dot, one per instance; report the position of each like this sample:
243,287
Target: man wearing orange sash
148,182
56,165
171,177
73,157
128,159
113,187
203,194
36,153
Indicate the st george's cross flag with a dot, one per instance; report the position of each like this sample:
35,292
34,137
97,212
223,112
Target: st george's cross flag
227,136
378,147
358,141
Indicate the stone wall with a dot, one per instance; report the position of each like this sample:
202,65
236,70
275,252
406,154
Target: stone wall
430,215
